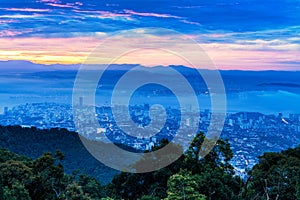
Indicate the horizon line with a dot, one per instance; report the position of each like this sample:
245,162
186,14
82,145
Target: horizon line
145,66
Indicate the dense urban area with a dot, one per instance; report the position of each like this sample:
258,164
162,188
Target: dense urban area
250,134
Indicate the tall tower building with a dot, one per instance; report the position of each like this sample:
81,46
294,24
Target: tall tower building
81,101
5,110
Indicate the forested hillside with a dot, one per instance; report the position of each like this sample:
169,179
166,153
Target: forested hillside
34,142
276,176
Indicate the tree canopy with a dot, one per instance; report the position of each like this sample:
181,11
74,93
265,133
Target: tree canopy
191,177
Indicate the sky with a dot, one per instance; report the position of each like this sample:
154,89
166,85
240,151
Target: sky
235,34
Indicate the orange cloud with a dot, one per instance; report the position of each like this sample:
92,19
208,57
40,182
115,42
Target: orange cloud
77,50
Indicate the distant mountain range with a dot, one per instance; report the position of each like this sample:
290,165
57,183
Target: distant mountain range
234,80
264,91
22,66
27,66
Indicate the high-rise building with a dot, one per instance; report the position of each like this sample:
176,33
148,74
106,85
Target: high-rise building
5,111
81,101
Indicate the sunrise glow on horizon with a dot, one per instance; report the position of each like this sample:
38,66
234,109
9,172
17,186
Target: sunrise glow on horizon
254,37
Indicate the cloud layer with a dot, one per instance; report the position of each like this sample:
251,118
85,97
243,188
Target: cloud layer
248,34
